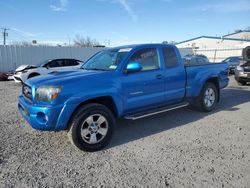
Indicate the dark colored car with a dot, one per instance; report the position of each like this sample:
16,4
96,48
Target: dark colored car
195,59
232,62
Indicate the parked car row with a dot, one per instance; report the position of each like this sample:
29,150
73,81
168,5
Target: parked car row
25,72
130,82
236,65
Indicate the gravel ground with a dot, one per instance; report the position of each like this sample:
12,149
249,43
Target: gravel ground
181,148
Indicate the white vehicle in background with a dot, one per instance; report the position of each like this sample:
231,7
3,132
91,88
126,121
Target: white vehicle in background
25,72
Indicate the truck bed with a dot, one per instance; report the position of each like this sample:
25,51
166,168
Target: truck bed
197,73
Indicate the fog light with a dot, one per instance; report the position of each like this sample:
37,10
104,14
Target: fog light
42,117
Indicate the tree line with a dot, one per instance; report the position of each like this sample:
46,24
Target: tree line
79,41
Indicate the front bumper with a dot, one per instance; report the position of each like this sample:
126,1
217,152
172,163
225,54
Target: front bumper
46,118
243,79
242,76
17,79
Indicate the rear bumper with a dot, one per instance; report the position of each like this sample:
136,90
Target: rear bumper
45,118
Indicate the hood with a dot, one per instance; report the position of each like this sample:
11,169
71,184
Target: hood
25,67
77,76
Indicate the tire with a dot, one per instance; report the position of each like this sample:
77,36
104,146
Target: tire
208,98
246,53
86,133
33,75
242,83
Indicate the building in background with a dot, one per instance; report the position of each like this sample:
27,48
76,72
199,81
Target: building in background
239,35
218,48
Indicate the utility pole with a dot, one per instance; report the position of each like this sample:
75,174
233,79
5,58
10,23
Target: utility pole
5,34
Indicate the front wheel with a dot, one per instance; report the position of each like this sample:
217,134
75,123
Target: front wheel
208,98
242,83
91,127
33,75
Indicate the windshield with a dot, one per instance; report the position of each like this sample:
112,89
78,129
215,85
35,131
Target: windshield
232,60
106,60
43,63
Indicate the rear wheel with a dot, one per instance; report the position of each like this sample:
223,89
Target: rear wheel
91,127
208,98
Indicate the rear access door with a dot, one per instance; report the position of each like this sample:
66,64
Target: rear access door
174,75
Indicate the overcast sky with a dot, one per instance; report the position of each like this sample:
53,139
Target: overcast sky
118,22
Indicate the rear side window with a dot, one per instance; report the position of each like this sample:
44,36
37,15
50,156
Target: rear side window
71,62
148,57
170,57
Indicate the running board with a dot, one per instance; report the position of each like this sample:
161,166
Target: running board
156,111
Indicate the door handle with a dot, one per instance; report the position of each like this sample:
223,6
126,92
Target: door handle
159,76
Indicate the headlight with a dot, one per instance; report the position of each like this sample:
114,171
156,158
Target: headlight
18,73
47,93
239,68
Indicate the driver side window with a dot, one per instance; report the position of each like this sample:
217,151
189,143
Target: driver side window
147,57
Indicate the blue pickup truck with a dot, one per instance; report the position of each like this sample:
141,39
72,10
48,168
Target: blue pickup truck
128,82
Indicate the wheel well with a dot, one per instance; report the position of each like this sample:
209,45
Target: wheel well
216,83
106,101
33,74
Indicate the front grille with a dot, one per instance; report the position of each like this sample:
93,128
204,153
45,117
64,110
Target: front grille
27,92
17,78
247,69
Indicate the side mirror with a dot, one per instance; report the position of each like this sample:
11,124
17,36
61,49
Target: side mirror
133,67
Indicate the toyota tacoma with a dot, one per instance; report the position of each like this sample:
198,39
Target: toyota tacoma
128,82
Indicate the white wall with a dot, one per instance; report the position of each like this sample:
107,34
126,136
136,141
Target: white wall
12,56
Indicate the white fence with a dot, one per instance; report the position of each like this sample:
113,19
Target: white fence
12,56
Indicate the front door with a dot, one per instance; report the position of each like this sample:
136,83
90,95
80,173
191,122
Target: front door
144,89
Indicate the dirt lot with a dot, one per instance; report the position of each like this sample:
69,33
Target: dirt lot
182,148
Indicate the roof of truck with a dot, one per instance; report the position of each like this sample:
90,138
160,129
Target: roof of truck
142,45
